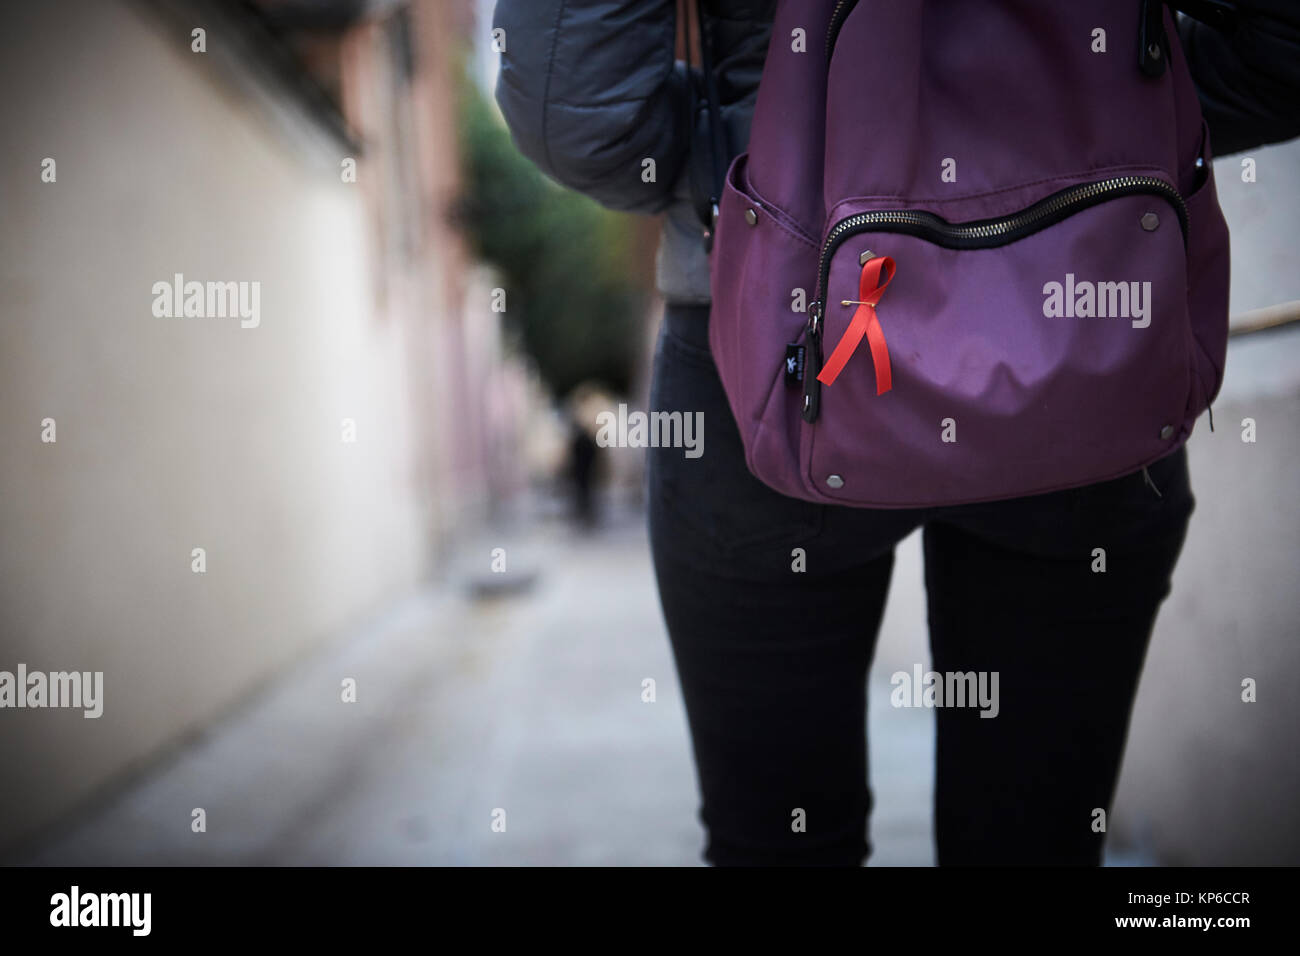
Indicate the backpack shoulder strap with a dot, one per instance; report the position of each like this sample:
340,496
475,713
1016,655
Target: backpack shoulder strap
1153,45
717,144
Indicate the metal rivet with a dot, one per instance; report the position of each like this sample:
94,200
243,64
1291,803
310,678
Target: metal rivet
1200,162
1153,51
751,217
1167,432
868,254
1150,221
835,481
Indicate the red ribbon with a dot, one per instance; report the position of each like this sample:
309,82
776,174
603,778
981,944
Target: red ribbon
865,322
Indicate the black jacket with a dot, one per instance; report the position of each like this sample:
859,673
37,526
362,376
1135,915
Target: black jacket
1248,80
590,90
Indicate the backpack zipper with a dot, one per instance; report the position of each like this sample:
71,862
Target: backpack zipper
980,234
838,16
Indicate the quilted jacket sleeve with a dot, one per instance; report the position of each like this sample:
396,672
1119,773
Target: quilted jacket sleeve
590,92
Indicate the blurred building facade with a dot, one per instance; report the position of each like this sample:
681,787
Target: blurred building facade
325,456
178,434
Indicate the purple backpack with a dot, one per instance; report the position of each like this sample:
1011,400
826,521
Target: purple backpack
974,251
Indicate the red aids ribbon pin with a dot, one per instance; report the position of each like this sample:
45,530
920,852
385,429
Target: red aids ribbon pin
865,322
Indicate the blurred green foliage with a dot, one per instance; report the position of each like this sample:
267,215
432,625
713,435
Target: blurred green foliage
572,301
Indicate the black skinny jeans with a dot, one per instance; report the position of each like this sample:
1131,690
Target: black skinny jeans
773,662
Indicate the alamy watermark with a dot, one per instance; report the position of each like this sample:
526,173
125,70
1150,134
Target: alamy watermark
1101,300
651,430
38,689
947,689
180,299
75,908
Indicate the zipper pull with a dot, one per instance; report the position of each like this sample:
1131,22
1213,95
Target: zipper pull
812,389
1152,43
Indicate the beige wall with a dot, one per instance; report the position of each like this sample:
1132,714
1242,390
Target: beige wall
178,433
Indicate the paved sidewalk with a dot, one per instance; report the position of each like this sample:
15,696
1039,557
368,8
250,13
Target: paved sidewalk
528,702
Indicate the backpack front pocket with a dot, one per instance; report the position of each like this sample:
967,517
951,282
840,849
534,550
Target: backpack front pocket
1042,348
